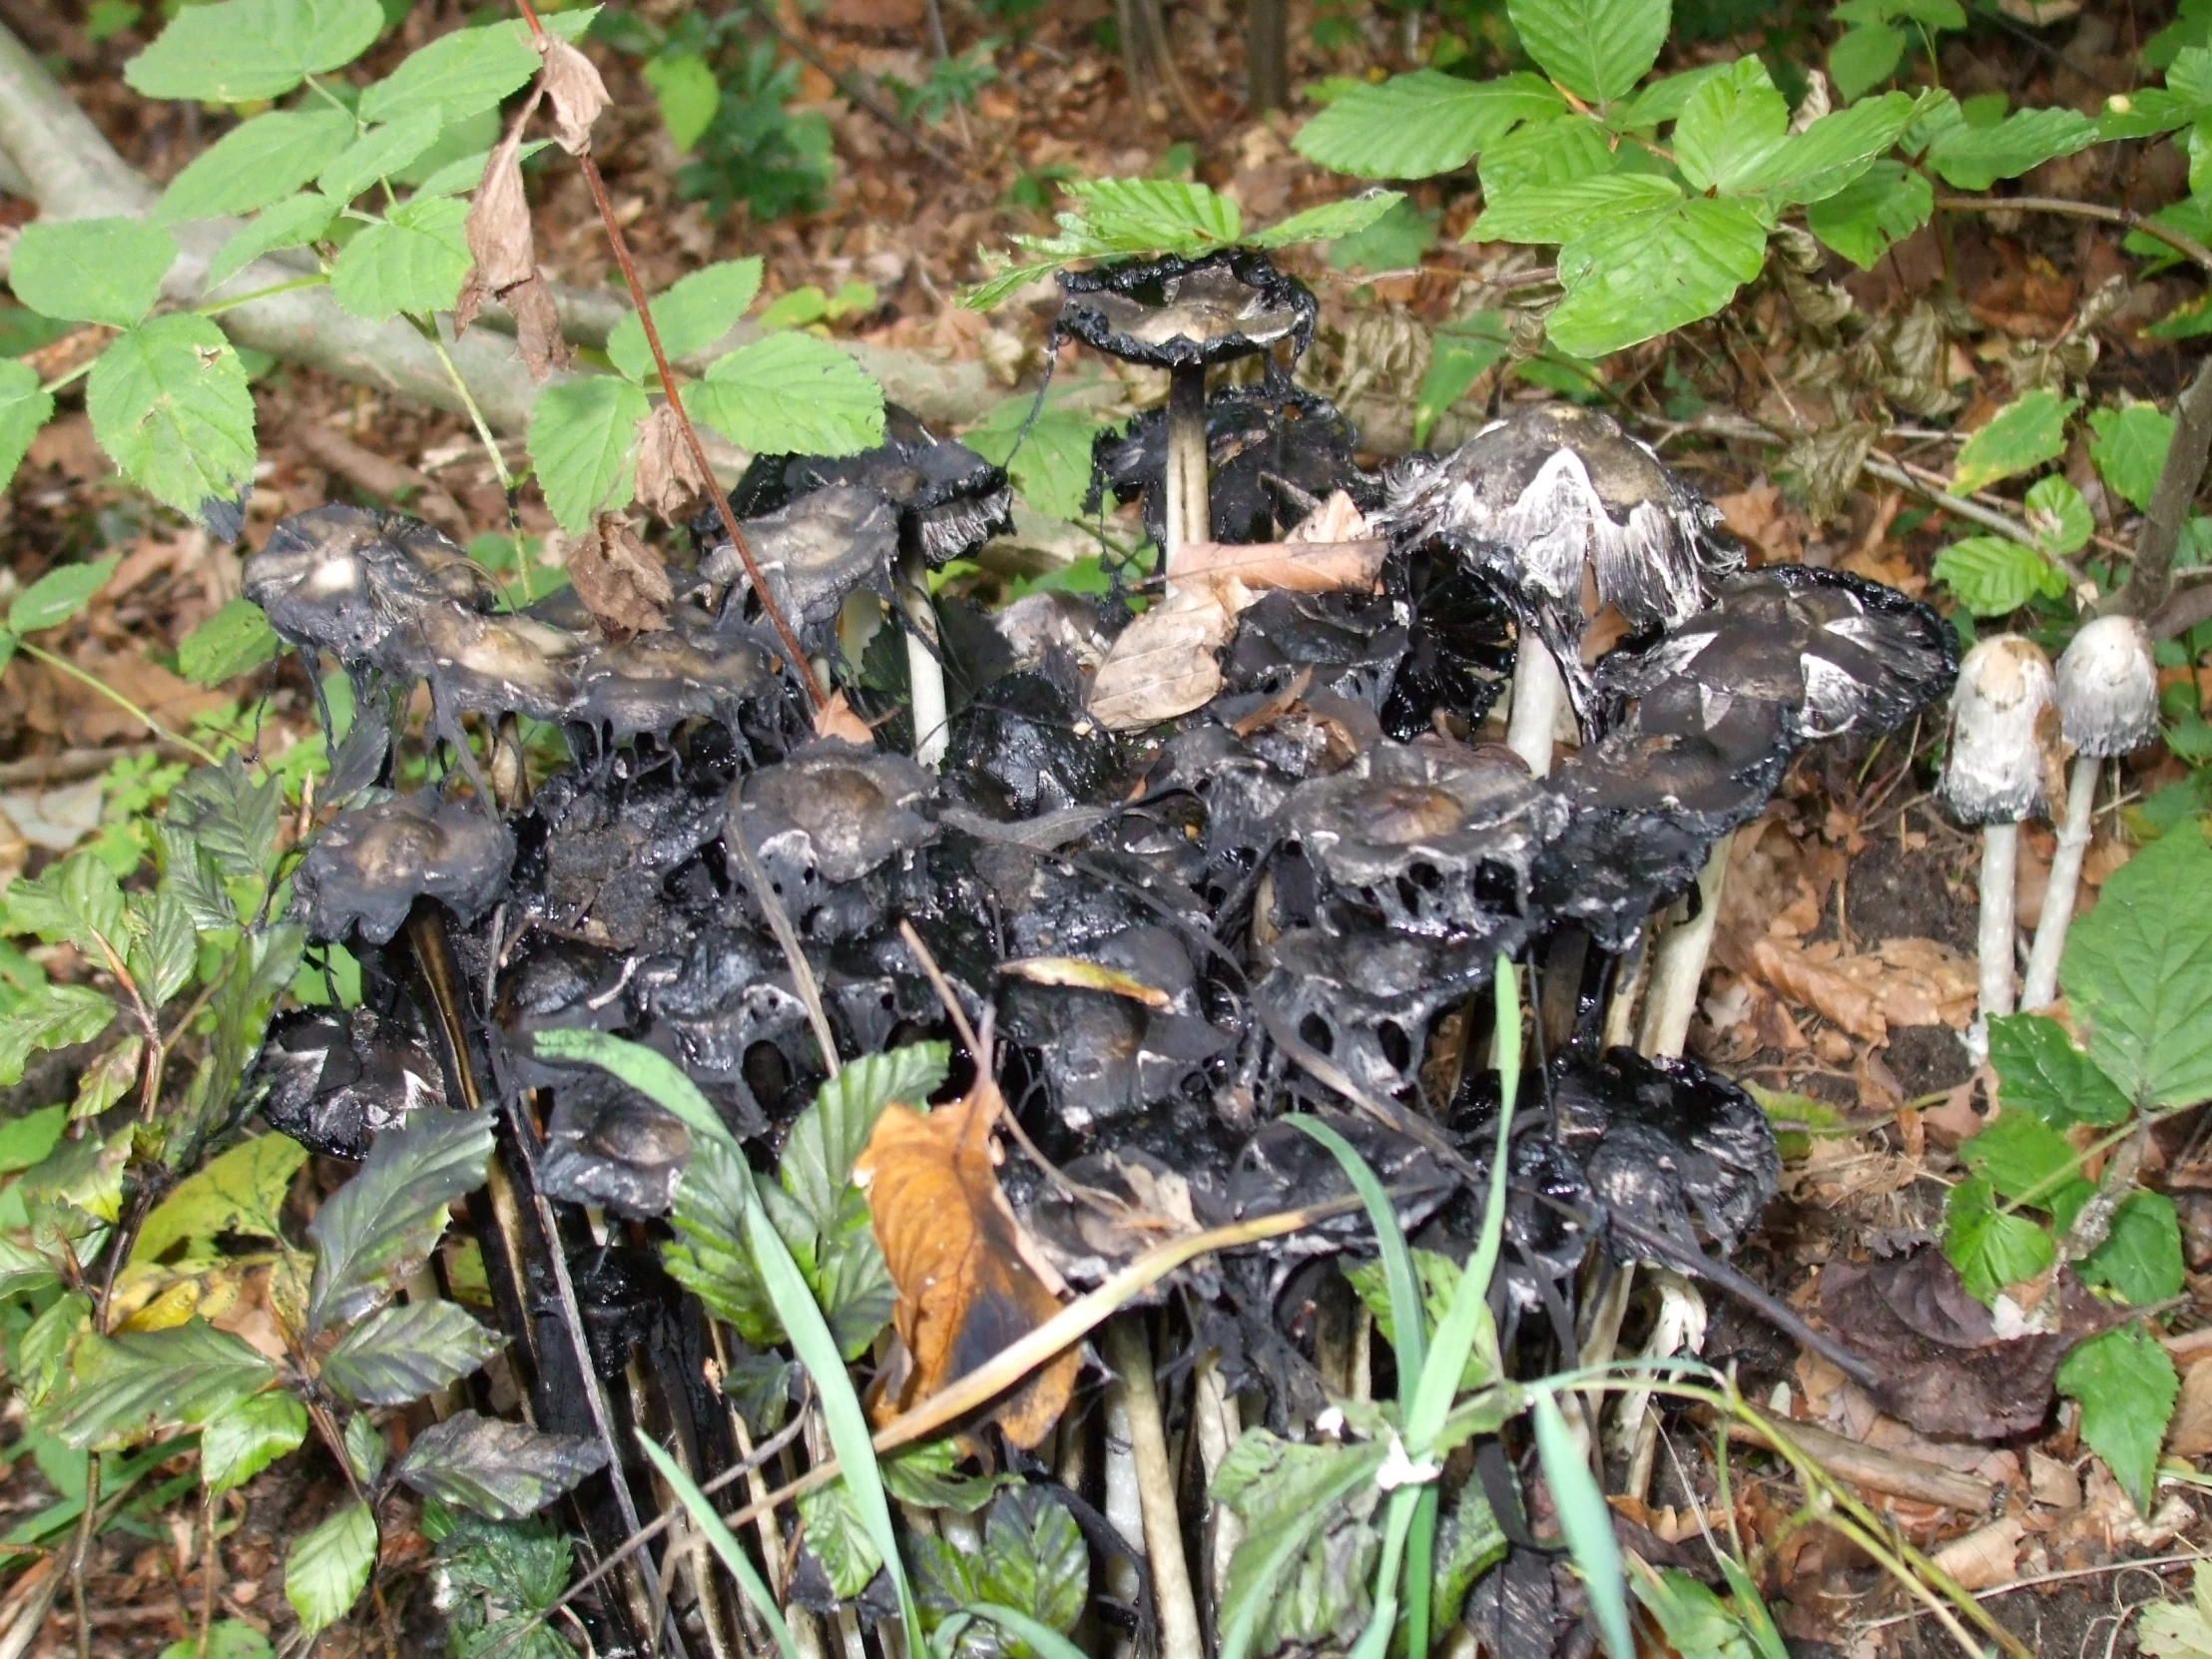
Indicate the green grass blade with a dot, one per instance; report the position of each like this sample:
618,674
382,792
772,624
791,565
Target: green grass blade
1588,1523
1420,1570
817,1350
1407,1313
1047,1641
702,1512
651,1073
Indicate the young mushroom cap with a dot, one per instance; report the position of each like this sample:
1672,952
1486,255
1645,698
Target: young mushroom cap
1179,314
2108,688
833,811
1995,773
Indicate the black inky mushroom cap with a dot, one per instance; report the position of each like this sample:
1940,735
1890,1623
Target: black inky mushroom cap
1435,836
342,579
367,869
2108,688
814,554
1022,746
337,1081
1366,996
654,682
1994,772
823,824
608,1144
490,664
1175,312
1272,454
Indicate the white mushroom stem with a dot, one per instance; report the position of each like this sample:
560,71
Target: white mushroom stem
1678,963
2039,988
2001,862
924,674
1218,1422
1189,509
1130,1355
1538,695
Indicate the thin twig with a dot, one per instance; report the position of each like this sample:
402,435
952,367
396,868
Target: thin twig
2154,1563
2188,247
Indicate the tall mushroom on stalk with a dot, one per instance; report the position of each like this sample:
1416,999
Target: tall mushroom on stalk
1994,778
2108,707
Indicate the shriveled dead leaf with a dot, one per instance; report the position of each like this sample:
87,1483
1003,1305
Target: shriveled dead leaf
622,583
967,1289
1899,982
537,326
1984,1557
836,719
2190,1433
1077,974
1805,979
1295,566
1337,519
498,224
1162,665
572,82
668,479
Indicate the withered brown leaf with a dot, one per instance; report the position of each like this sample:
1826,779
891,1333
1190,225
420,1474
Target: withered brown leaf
498,227
668,479
836,719
622,583
537,325
572,82
966,1287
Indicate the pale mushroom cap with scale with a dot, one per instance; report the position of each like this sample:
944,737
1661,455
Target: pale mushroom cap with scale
1994,772
2108,688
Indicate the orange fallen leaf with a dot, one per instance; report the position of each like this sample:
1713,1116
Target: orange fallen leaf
1298,566
836,719
966,1287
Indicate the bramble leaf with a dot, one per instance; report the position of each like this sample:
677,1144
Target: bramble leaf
90,270
789,393
469,69
25,406
169,401
380,153
583,435
2128,446
235,640
2039,1070
255,164
693,313
2141,1257
291,223
58,594
1990,1249
2126,1385
238,51
414,260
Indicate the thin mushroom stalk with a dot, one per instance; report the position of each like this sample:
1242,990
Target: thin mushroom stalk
1188,506
2107,694
1992,778
1539,693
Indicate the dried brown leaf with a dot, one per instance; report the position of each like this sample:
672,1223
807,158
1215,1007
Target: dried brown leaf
1078,974
537,325
1299,566
668,479
572,82
966,1285
1162,665
622,583
1984,1557
2190,1433
836,719
498,227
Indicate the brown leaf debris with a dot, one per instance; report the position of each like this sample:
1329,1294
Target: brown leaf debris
626,587
572,82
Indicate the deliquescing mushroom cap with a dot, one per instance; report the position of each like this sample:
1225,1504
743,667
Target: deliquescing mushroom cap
1996,769
1176,312
2108,688
370,866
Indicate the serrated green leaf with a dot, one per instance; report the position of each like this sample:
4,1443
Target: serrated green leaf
1995,575
789,393
467,71
1837,152
1863,57
1330,221
256,164
2141,1257
237,51
2126,1386
241,1191
1990,1248
1696,1622
398,1354
2128,446
1597,49
2019,437
413,261
235,640
126,1387
503,1471
1644,274
1560,212
230,814
818,1153
382,1225
2057,517
838,1539
380,153
291,223
1975,158
1586,1523
1301,1572
582,442
1052,468
2041,1071
168,400
58,594
2138,973
924,1475
90,270
1733,129
366,1451
1439,1276
52,1016
2023,1157
164,946
238,1443
44,1349
1556,150
1883,205
76,901
692,313
1662,99
328,1566
1033,1563
1469,1543
1414,126
685,88
465,173
25,406
1170,215
2180,1630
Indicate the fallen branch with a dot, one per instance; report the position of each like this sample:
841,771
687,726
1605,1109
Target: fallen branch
2151,580
1875,1470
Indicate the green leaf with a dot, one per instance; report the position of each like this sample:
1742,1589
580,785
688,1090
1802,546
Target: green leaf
924,1475
169,401
2019,437
126,1387
90,270
692,315
1469,1544
711,1525
227,1639
1648,274
238,1443
164,947
26,1140
465,173
1052,468
1995,575
1033,1562
1991,1250
235,640
1439,1279
1597,49
25,406
414,262
816,1164
2129,445
1975,158
504,1470
377,154
382,1225
1586,1523
1883,205
1734,128
255,164
2138,973
398,1354
2057,517
792,392
582,436
328,1566
2041,1071
2126,1386
1556,150
231,813
647,1070
242,1192
291,223
2180,1630
1863,57
1696,1622
1170,215
1560,212
58,594
2023,1157
365,1451
237,51
688,94
1301,1572
1414,126
838,1539
709,1256
467,71
2141,1257
1831,154
75,901
1330,221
